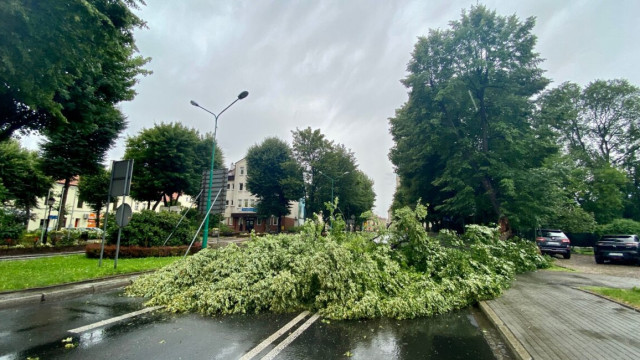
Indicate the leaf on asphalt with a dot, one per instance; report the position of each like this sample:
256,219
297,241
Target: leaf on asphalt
67,340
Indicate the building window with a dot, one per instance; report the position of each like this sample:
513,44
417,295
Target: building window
228,186
227,203
241,171
246,202
253,202
231,202
80,203
241,186
239,202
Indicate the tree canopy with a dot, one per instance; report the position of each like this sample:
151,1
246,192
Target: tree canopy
464,141
93,190
328,169
274,177
50,47
21,176
169,159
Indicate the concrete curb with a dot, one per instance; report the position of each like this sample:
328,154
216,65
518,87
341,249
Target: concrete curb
514,344
34,296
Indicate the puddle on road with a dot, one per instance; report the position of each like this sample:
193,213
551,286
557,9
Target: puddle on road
457,335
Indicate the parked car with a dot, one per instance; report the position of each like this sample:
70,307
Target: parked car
552,242
617,248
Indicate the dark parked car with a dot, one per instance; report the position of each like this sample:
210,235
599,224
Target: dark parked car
553,242
617,248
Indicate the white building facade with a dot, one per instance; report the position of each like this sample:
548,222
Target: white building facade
240,206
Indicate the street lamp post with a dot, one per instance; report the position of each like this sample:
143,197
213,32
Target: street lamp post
205,232
333,180
50,202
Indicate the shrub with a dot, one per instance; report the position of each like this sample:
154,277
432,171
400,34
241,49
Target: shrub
11,226
149,228
344,275
620,226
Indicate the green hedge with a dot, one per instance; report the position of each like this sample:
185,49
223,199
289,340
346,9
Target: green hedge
149,228
93,251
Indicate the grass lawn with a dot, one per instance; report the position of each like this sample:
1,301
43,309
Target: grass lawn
582,250
555,267
25,274
626,296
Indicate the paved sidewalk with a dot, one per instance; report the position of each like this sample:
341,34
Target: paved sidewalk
553,320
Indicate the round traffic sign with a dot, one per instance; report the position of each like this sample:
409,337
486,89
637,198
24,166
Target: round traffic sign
123,215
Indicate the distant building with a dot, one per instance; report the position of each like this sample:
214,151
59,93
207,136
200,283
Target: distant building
240,205
80,214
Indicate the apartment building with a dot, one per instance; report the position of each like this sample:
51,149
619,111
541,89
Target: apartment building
240,205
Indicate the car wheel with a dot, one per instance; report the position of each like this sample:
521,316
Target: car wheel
567,255
599,260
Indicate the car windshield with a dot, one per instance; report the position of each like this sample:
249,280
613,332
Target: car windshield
623,238
553,234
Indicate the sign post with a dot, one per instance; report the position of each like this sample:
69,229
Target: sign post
119,185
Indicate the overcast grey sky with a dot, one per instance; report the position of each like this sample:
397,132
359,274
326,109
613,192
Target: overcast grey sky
336,65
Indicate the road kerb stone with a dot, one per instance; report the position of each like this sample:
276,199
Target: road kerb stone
64,291
514,344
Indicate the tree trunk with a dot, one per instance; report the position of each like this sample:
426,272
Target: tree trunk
98,219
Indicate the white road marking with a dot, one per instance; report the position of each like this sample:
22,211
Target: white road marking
113,320
273,353
256,350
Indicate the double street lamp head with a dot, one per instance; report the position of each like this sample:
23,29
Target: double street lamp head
241,96
51,201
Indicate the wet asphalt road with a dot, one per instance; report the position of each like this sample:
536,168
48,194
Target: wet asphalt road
39,330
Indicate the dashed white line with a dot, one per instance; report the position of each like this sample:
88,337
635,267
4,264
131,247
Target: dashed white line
113,320
273,353
256,350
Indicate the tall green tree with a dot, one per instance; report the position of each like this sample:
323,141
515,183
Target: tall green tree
274,177
93,189
464,141
599,126
21,176
169,159
310,147
48,47
323,160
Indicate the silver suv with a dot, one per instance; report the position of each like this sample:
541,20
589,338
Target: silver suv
553,242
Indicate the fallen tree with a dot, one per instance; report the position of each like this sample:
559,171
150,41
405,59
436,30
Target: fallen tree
403,274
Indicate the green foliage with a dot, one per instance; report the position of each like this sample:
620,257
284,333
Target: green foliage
168,159
11,226
344,276
93,190
21,176
52,49
330,169
621,227
463,142
274,177
149,228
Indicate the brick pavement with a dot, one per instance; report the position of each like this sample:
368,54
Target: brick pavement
553,320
